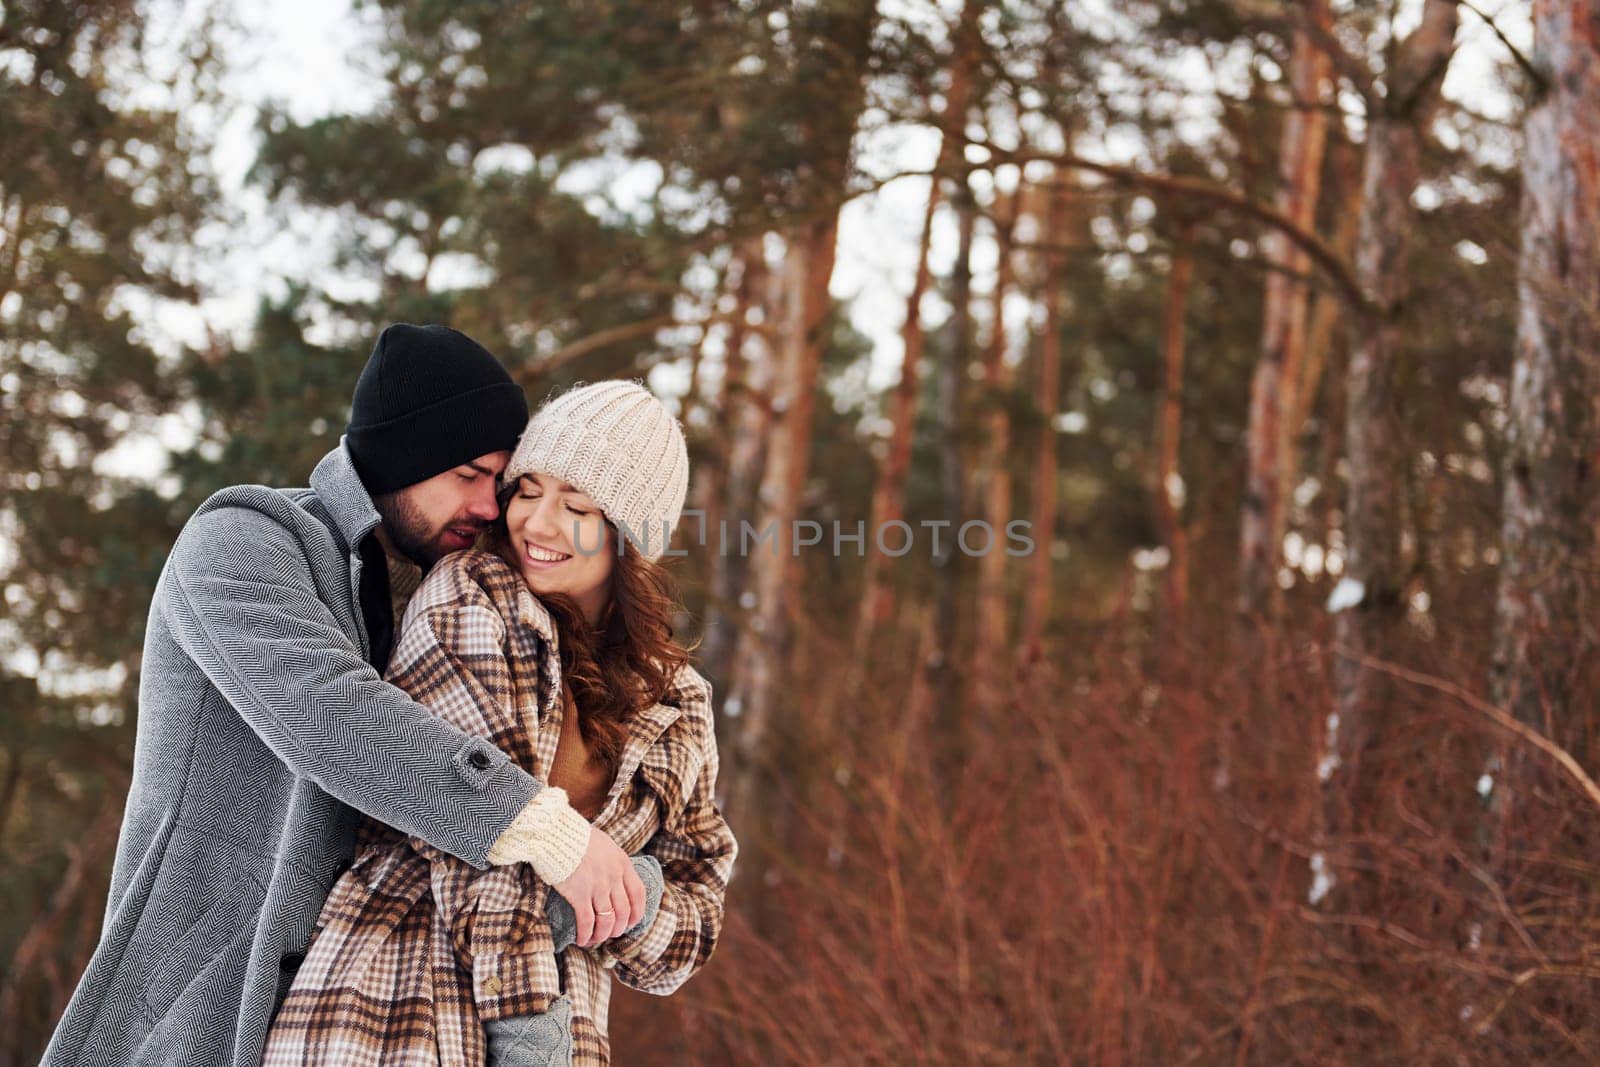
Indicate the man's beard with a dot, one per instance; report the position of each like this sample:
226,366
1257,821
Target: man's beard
408,529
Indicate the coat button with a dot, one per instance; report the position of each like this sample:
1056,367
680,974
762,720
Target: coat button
491,986
479,760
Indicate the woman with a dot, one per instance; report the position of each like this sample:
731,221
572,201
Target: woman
554,641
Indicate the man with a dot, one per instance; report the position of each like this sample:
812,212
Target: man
264,724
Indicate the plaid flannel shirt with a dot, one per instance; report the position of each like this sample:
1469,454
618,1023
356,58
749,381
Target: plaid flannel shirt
416,948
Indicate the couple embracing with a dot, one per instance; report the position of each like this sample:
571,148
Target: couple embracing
419,767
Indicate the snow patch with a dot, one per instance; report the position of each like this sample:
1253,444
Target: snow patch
1151,559
1347,594
1177,492
1321,881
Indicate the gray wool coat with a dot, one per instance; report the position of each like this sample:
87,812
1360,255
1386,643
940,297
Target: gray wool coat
261,729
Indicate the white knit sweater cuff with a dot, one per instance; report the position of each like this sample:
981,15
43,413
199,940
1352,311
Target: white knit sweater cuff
549,834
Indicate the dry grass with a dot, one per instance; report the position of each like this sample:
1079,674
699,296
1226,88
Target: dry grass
1076,885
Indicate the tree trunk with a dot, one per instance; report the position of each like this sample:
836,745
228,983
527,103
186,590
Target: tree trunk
990,662
726,489
1326,308
758,660
1369,595
1060,214
691,397
838,63
1545,615
888,497
936,678
1274,386
1169,432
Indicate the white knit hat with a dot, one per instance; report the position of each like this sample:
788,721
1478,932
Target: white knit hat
618,443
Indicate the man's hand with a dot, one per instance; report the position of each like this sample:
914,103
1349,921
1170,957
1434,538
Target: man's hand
605,892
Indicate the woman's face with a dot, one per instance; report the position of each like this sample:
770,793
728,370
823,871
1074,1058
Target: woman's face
561,541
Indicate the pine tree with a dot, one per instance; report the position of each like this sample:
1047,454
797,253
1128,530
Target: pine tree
98,199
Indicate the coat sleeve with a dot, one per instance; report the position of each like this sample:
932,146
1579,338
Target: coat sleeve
240,599
696,849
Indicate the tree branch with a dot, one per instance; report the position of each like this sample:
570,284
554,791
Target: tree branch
1540,82
1498,716
1353,70
615,335
1177,186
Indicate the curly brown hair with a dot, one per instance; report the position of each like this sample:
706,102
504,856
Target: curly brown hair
626,662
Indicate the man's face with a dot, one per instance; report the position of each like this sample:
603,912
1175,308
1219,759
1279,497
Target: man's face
444,514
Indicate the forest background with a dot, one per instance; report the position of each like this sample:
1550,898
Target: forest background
1278,321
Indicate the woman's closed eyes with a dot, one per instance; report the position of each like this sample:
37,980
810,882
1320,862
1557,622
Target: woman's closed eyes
530,491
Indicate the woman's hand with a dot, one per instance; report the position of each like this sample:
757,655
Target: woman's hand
605,892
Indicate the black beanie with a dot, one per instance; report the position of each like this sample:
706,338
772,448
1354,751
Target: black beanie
430,398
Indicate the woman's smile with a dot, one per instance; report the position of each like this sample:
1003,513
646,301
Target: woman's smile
542,558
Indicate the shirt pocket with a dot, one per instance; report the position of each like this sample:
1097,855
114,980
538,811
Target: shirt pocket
500,913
